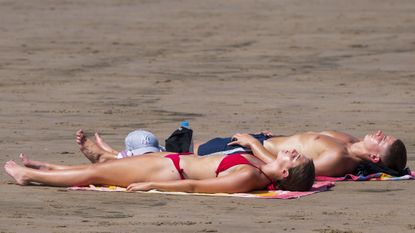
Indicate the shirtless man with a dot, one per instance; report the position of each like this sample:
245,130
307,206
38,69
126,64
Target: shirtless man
334,153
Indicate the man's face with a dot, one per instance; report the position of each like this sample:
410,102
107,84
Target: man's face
290,158
378,142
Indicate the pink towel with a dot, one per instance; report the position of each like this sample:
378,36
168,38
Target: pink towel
319,186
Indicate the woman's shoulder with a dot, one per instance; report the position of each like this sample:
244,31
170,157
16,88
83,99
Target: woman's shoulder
246,171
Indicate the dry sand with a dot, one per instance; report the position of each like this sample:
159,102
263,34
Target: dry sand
227,66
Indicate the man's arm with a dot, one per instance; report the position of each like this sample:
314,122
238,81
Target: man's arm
239,181
332,163
256,147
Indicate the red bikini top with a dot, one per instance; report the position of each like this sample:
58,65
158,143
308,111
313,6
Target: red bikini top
237,159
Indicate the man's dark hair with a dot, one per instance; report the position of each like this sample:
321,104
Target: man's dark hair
395,157
300,178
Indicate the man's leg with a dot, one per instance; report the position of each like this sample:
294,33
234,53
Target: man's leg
100,142
91,150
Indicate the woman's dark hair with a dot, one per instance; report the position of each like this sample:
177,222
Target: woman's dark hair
300,178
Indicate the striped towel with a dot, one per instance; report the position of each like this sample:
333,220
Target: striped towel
374,176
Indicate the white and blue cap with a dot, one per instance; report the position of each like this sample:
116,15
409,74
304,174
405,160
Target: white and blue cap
140,142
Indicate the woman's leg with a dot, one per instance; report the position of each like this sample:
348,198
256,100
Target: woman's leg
46,166
120,172
25,175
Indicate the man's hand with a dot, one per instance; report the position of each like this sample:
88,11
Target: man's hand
142,186
267,133
244,140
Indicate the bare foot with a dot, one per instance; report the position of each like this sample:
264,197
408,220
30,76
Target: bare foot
103,144
17,172
89,148
32,163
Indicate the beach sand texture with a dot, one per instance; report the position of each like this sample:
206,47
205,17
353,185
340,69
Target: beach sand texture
227,67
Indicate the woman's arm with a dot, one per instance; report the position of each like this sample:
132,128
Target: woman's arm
256,147
240,181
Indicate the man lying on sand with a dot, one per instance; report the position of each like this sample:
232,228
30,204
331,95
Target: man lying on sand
334,153
173,172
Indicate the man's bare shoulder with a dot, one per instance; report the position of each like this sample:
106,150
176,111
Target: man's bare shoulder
341,136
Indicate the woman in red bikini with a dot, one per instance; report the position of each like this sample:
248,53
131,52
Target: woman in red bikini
173,172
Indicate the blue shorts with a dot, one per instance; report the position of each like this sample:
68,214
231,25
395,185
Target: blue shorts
221,145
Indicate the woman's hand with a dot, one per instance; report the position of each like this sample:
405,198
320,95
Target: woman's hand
142,186
243,139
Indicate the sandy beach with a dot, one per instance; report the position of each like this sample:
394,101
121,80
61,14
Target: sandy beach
227,67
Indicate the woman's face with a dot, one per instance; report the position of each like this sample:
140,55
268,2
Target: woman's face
290,158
